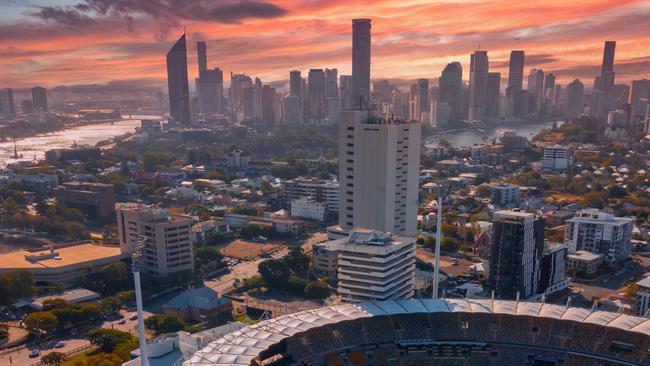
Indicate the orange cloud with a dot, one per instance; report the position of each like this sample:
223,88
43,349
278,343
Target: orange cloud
411,38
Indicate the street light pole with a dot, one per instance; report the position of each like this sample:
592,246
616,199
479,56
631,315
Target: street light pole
436,269
136,264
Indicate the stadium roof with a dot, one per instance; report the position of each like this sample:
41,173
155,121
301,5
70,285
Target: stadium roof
242,346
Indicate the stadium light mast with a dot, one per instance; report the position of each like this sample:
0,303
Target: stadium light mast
436,269
137,259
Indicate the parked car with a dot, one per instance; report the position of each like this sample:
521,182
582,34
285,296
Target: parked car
59,344
34,353
122,322
133,316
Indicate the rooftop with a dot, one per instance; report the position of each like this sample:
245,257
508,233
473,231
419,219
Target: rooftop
67,256
584,255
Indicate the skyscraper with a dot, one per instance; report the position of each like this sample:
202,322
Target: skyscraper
331,83
536,87
209,84
316,94
179,94
478,74
379,164
295,83
422,99
515,73
516,252
604,85
361,62
268,105
449,85
346,92
549,91
575,99
291,111
202,56
639,98
238,82
493,95
39,99
7,105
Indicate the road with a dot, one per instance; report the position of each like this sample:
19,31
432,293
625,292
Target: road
248,269
20,356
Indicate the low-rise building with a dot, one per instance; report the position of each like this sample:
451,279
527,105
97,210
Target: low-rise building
325,258
82,153
642,303
60,265
197,304
203,230
320,190
600,232
96,200
373,265
584,261
504,194
557,158
280,225
308,208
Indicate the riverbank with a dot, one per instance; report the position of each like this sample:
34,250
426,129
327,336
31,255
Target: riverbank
34,147
23,129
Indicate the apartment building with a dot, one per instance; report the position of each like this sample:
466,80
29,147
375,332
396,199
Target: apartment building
600,232
373,265
168,246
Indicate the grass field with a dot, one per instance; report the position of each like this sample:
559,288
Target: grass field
245,249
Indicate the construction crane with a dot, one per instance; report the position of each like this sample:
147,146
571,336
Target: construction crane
15,151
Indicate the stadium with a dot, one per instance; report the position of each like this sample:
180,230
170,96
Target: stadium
437,332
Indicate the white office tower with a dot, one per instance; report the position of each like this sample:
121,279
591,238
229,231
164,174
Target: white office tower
168,247
557,158
600,232
373,265
379,163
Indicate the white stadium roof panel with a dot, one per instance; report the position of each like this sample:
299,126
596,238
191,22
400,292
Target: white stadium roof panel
242,346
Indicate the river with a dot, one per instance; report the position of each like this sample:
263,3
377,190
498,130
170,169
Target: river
34,147
469,137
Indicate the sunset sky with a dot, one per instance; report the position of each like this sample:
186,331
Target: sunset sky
69,42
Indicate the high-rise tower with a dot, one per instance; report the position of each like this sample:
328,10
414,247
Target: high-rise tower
179,94
361,62
478,75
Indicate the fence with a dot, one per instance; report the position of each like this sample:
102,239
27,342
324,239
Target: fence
68,354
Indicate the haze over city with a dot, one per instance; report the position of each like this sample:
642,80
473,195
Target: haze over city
72,42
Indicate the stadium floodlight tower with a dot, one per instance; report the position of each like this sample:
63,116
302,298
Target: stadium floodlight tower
137,259
436,269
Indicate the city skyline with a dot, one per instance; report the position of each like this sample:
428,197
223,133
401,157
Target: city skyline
61,45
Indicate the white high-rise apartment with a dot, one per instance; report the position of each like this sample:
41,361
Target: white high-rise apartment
379,163
600,232
557,157
375,266
168,247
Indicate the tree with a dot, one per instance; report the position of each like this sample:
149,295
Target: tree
297,260
42,322
55,303
449,245
317,290
164,323
53,358
110,304
107,339
208,259
275,272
